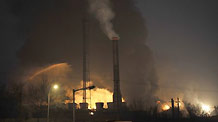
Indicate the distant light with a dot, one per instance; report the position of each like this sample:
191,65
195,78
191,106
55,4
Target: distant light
158,102
205,108
55,86
91,113
165,107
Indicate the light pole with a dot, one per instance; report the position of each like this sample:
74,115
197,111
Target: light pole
74,106
55,87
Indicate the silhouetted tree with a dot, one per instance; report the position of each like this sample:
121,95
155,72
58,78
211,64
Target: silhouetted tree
10,100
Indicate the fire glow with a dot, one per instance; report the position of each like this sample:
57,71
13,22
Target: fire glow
206,108
60,71
165,107
93,96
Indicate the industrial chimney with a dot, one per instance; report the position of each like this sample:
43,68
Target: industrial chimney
117,97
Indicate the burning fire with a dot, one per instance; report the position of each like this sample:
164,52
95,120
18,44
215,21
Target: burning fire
206,108
93,96
97,95
60,72
165,107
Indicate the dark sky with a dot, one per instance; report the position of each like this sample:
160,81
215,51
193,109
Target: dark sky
46,32
184,37
181,33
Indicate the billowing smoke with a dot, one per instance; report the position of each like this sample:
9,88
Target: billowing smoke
103,11
56,37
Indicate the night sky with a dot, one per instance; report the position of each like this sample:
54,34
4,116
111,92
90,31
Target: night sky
181,33
183,36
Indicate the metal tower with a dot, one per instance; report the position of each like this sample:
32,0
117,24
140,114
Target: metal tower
85,57
117,97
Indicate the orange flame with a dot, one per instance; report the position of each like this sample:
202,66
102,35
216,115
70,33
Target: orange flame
165,107
58,72
93,96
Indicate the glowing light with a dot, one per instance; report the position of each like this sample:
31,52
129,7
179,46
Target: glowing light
55,86
97,95
91,113
165,107
158,102
205,108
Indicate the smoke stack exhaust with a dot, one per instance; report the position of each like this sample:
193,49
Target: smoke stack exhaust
117,97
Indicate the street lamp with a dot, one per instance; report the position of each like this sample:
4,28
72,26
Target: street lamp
55,87
74,91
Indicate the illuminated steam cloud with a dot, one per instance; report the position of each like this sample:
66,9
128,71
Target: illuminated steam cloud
104,13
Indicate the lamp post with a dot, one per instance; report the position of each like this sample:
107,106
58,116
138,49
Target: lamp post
74,107
55,87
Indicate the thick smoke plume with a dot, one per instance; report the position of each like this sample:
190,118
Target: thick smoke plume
56,36
104,13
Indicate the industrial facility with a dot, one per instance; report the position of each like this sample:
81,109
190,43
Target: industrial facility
108,61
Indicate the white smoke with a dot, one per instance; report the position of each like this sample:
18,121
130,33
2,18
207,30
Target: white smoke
104,13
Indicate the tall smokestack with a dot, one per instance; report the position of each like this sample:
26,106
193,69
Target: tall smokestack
173,108
85,56
117,97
